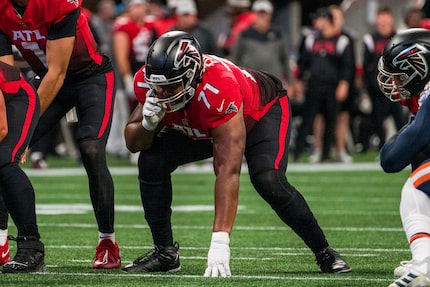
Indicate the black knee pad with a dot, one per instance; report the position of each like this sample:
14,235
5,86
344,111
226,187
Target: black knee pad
273,186
92,148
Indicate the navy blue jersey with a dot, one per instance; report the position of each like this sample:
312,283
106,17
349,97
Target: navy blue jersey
410,144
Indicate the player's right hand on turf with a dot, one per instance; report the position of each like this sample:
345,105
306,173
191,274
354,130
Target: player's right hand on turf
153,112
219,256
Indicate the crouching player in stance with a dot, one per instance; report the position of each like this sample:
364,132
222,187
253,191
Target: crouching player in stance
19,113
193,107
404,75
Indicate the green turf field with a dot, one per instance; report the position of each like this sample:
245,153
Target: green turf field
357,208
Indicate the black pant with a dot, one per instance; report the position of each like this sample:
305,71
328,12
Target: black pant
16,190
94,100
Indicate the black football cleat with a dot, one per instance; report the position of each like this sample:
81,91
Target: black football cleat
29,256
161,259
330,261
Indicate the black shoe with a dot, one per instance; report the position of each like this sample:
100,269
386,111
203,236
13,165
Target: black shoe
29,256
330,261
161,259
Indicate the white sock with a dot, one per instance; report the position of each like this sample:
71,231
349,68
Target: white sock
102,236
3,236
420,248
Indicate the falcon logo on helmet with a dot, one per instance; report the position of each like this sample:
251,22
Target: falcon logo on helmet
412,59
186,53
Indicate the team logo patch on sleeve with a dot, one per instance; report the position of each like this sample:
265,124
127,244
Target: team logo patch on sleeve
232,108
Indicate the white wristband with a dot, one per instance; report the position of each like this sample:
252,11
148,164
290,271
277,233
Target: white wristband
221,237
147,126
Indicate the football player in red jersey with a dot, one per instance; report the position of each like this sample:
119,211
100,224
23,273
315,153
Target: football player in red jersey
194,106
132,36
56,41
19,113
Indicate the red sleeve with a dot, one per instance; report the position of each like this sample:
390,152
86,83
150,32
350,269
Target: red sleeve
224,95
411,104
56,10
120,25
140,86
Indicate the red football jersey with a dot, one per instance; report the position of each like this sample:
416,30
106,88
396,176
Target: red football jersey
29,33
224,89
140,38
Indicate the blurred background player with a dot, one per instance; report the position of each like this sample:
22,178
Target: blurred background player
263,46
188,21
374,43
342,130
132,35
240,17
325,66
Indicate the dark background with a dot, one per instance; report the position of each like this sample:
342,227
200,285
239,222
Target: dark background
207,6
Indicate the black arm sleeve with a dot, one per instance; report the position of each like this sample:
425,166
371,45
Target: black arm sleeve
66,27
5,45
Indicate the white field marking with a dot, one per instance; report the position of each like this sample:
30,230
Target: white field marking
193,258
246,228
55,209
307,253
299,251
361,213
207,168
82,208
246,277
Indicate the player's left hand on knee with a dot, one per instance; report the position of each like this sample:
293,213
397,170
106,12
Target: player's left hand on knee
219,256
